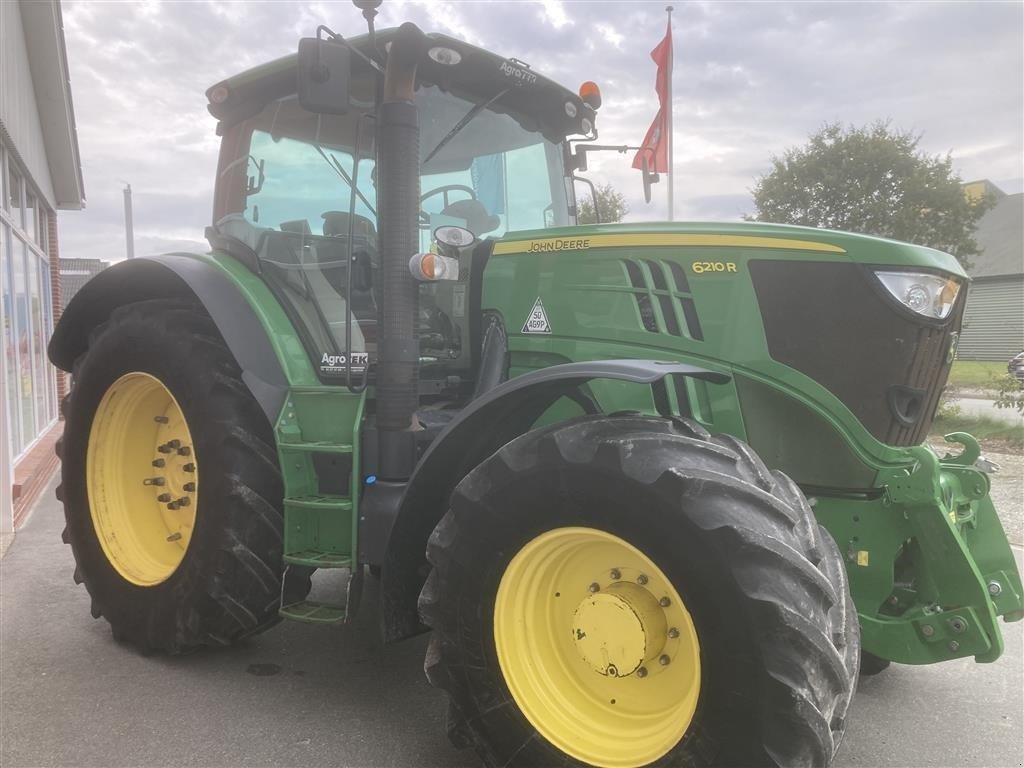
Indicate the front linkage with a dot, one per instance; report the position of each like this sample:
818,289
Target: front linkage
930,566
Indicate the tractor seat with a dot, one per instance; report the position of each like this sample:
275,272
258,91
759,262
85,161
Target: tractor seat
336,225
478,220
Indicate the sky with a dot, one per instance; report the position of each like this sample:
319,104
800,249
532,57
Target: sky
751,79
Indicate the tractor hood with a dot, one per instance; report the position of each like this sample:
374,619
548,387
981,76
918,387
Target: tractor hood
798,242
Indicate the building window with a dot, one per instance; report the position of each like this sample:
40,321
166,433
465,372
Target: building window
27,317
10,359
13,202
32,216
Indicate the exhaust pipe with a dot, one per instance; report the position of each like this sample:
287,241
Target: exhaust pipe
398,206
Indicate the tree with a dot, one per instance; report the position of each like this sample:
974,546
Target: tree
872,180
611,204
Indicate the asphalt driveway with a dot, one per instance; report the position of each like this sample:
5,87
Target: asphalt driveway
304,695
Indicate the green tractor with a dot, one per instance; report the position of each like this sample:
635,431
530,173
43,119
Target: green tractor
656,488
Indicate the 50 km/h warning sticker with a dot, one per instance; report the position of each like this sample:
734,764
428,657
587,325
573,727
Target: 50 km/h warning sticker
537,320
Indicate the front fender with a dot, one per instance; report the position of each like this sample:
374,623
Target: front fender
483,427
177,276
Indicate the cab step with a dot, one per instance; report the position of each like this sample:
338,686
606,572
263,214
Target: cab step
313,612
321,501
316,558
317,446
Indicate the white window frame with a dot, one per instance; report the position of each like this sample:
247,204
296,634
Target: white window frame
13,243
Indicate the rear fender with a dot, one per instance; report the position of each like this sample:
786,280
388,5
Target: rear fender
177,276
484,426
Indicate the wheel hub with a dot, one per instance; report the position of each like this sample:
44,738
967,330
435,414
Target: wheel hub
597,647
619,628
142,479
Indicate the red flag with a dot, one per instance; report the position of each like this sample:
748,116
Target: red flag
655,144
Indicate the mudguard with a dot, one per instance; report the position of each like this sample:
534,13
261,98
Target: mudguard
174,276
484,426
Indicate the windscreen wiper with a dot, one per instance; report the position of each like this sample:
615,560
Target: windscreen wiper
476,110
332,161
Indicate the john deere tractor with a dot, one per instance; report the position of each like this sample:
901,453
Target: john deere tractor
655,488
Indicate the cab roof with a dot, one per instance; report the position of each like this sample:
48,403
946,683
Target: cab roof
537,102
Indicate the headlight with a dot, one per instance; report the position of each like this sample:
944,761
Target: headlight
928,295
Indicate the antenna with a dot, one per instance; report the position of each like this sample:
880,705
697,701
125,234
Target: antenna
369,9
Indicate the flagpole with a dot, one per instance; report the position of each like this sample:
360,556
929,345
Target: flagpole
671,166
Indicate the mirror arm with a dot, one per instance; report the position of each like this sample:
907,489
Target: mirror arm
335,37
593,196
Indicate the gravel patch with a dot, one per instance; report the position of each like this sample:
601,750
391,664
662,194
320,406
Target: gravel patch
1008,494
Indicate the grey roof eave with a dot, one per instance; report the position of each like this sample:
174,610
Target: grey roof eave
44,37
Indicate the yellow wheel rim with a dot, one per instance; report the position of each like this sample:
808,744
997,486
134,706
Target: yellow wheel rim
142,479
597,647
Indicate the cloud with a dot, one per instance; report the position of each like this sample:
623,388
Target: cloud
554,13
751,79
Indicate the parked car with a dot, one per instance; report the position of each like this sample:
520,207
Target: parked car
1016,366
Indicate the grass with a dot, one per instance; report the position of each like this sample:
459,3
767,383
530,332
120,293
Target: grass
975,374
994,435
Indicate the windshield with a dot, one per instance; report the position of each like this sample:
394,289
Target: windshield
289,179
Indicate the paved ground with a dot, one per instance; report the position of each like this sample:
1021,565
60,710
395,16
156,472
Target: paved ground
976,406
300,695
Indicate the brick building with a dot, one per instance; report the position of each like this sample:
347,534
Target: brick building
40,173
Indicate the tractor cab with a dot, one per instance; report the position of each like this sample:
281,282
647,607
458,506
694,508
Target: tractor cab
296,191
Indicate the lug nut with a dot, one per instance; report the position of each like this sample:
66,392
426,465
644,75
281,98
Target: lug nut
154,481
612,671
954,645
190,467
184,501
184,451
664,660
615,574
165,497
174,444
642,672
673,633
664,602
165,448
189,487
995,588
172,506
158,463
641,580
595,587
174,536
160,419
927,630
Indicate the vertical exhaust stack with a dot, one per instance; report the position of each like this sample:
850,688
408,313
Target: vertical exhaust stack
398,205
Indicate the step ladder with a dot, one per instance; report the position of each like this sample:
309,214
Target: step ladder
317,443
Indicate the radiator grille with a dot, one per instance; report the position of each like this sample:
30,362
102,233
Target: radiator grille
834,323
664,308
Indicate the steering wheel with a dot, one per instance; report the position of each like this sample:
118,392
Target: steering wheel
444,191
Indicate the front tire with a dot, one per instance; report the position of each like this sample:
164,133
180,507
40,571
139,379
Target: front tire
170,482
761,667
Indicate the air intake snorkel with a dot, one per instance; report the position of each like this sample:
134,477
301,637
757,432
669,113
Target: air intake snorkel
398,204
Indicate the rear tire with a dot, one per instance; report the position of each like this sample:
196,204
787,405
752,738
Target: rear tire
227,584
766,589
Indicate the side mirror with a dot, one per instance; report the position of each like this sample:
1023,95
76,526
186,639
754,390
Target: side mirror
324,69
648,177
